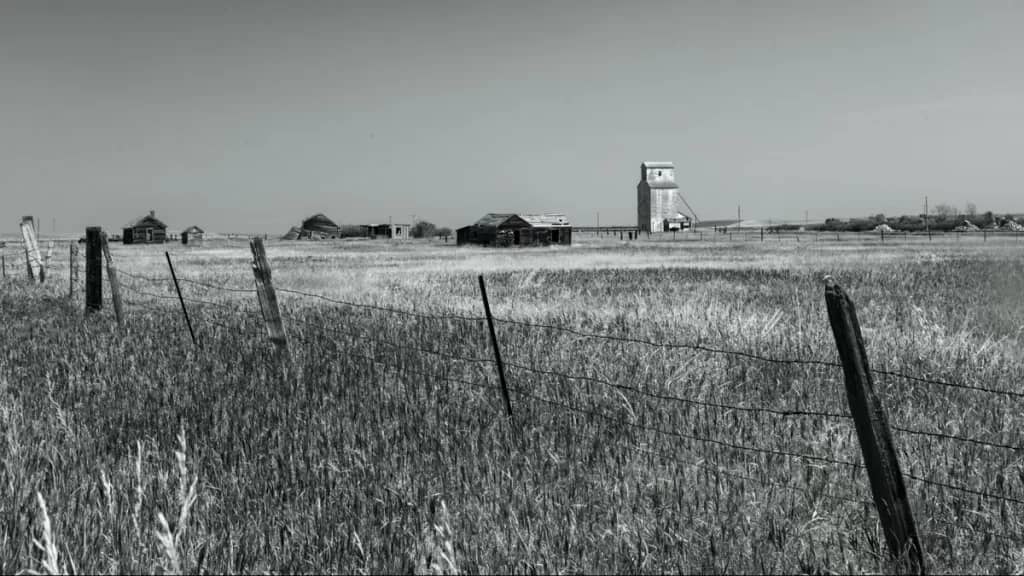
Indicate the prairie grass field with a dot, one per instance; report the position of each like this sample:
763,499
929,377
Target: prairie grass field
677,407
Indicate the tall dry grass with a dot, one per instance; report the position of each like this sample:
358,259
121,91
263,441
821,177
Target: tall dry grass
378,451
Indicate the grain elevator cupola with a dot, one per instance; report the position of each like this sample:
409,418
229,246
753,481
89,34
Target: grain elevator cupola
660,204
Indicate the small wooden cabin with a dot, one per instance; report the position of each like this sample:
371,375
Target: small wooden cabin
192,235
145,230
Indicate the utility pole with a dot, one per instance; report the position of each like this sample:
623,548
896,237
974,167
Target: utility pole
739,217
598,219
927,227
806,219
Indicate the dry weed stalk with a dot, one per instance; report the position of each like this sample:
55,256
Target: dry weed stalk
48,547
437,553
171,541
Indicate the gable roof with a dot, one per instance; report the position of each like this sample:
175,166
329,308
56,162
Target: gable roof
548,220
193,230
147,221
493,220
650,165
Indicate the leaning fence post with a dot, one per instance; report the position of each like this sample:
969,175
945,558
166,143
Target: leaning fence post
93,269
267,296
497,355
115,285
876,443
32,259
184,310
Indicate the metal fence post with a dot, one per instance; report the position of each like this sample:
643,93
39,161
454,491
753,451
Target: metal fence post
184,310
497,355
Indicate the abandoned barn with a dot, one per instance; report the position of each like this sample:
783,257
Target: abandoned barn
146,230
320,227
517,230
192,235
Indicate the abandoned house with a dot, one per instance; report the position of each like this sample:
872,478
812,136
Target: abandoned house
660,204
145,230
192,235
389,230
517,230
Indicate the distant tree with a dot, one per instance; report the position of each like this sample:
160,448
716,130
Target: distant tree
879,218
972,210
423,229
443,232
945,211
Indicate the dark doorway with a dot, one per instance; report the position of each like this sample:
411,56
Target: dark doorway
515,237
554,236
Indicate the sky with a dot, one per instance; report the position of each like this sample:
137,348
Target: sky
246,116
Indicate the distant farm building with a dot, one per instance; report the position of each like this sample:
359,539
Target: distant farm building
660,204
517,230
192,235
145,230
389,230
320,227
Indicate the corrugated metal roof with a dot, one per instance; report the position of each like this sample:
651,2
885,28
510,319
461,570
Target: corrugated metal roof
650,165
546,220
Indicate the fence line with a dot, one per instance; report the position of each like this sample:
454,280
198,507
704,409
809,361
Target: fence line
590,379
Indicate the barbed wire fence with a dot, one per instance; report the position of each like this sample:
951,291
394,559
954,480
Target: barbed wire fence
653,421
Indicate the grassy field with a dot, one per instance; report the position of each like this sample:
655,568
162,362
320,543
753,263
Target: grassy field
383,445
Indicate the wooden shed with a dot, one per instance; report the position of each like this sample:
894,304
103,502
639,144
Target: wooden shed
192,235
517,230
146,230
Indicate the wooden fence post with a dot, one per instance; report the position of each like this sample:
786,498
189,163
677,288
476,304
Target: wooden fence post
93,269
876,443
184,310
3,264
33,261
267,296
45,268
72,269
497,356
115,285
